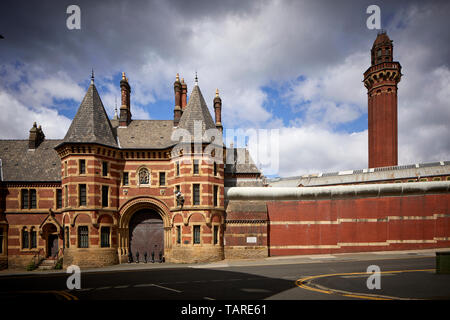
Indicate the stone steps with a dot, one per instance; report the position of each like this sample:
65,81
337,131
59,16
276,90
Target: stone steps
47,264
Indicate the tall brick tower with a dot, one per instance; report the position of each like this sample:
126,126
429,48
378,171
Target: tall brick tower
381,82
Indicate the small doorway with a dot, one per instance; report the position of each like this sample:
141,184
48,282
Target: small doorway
52,246
51,236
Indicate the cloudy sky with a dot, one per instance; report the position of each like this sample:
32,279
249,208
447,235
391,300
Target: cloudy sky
292,67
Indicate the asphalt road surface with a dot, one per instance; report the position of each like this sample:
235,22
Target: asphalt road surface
322,280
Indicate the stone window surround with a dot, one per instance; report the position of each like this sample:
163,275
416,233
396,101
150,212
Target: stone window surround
122,178
29,229
79,195
108,195
180,226
66,242
199,194
79,167
199,234
107,225
196,165
213,225
78,236
29,199
105,167
159,178
56,199
217,196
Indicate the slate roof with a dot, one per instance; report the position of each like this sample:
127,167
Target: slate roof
369,175
91,123
196,110
144,134
20,164
242,161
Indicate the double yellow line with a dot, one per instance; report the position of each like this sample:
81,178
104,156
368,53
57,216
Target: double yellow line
66,295
306,283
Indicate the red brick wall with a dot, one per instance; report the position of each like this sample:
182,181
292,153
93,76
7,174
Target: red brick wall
357,225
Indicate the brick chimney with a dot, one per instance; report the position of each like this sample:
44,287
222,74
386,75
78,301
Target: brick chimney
125,111
183,94
36,137
177,112
218,111
381,80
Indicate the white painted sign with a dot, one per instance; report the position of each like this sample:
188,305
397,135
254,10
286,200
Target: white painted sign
251,239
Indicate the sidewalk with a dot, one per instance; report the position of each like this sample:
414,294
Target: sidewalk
279,260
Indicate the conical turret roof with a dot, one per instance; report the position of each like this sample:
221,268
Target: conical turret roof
91,123
196,110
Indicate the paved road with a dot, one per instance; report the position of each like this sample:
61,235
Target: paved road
251,282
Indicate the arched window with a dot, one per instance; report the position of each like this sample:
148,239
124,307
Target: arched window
67,237
25,238
33,240
144,176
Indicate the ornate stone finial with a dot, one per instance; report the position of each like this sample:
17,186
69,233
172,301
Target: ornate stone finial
92,76
217,92
177,78
182,80
34,124
123,76
196,79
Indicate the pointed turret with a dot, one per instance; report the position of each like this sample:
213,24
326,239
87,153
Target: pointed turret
196,110
91,123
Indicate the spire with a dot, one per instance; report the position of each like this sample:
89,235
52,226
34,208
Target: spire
91,123
92,76
196,79
196,110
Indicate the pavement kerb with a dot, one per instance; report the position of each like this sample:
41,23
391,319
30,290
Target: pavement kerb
298,259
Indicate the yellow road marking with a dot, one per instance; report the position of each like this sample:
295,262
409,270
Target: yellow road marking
302,283
67,295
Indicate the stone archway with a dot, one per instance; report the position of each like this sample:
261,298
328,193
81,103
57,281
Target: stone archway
51,236
146,234
138,210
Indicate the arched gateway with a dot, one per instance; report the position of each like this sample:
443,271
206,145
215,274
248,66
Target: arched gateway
144,227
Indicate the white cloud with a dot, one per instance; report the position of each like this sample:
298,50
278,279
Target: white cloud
29,97
17,119
239,52
312,149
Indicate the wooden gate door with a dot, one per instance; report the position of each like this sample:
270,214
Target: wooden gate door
52,245
146,235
